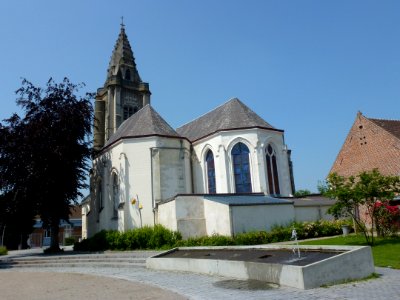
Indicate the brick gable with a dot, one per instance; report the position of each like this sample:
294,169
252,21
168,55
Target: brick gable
369,145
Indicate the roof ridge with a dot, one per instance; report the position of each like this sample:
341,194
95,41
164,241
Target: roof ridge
391,120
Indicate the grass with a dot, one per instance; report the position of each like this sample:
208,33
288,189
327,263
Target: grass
385,251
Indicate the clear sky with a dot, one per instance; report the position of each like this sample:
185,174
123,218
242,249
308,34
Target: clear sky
304,66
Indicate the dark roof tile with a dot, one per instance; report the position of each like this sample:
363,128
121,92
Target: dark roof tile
392,126
145,122
231,115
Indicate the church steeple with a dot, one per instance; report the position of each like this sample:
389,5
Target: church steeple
122,60
123,93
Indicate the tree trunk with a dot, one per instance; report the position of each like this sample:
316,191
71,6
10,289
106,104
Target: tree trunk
55,243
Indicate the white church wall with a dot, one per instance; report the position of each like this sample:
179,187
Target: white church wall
167,215
171,168
221,145
132,160
260,217
218,218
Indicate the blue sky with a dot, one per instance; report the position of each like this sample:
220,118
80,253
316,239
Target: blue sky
304,66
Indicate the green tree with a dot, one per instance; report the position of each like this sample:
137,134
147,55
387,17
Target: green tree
366,190
302,193
54,137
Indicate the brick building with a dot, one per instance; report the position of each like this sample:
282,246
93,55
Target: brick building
371,143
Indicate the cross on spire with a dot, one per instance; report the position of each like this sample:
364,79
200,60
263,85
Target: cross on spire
122,22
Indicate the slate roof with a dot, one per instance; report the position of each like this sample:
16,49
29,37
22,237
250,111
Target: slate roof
146,122
392,126
231,115
311,200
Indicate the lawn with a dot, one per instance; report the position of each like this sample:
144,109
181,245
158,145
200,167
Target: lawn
385,251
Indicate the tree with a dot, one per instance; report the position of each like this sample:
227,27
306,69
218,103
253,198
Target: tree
54,137
365,190
302,193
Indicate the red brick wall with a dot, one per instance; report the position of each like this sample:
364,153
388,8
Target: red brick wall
366,147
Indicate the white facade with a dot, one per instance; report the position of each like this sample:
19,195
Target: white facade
146,170
256,140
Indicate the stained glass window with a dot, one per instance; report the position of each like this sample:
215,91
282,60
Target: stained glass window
272,171
241,168
212,189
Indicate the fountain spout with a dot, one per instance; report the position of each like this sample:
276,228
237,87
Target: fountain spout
294,237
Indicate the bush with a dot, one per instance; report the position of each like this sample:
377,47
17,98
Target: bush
157,237
3,250
69,241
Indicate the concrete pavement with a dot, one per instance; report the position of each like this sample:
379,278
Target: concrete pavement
197,286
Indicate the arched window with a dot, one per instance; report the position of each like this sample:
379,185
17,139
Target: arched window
128,111
128,75
241,168
272,171
115,201
210,168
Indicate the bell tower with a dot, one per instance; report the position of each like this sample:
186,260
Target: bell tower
123,93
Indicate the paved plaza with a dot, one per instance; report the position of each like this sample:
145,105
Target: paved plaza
137,282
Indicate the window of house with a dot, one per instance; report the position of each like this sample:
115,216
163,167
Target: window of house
272,171
210,168
241,168
115,201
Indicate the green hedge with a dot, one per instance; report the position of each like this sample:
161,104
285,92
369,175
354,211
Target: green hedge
158,237
3,250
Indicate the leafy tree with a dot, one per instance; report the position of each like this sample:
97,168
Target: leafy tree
302,193
366,190
53,150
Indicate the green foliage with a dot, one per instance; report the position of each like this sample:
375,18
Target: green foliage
302,193
157,237
69,241
366,189
3,250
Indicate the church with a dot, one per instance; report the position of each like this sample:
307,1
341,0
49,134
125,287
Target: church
226,172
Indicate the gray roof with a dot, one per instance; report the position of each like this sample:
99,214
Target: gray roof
239,200
146,122
311,200
231,115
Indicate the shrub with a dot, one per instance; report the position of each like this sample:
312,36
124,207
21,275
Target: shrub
3,250
141,238
253,238
69,241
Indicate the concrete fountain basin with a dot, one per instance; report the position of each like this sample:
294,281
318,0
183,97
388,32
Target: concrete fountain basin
278,264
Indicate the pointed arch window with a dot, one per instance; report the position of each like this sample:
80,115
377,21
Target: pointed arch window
210,168
241,168
115,189
272,171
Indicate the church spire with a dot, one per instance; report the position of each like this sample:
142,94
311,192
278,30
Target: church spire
122,62
123,93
